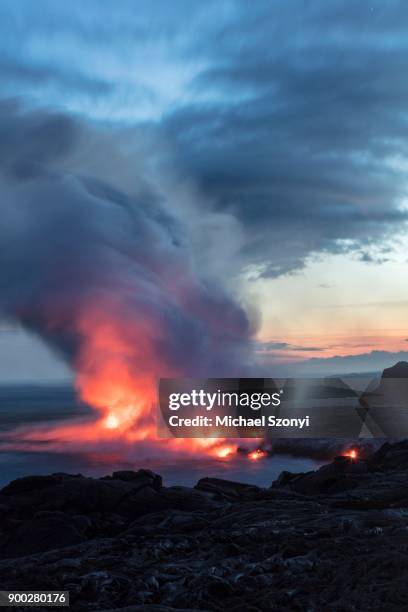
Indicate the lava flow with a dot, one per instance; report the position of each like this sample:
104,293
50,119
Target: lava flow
257,454
225,452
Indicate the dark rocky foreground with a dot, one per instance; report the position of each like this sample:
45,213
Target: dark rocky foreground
332,540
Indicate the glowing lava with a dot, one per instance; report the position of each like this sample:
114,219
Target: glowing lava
111,422
257,454
225,451
351,454
118,366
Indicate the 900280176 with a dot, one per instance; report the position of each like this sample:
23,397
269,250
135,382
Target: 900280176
34,598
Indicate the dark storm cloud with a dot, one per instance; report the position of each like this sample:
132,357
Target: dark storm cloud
290,116
299,140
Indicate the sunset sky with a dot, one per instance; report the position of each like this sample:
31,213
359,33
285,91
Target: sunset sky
283,124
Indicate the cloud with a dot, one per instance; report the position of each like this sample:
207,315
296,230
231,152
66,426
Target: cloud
298,141
14,72
290,118
370,362
271,346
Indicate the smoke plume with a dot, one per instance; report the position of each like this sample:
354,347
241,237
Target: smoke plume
105,263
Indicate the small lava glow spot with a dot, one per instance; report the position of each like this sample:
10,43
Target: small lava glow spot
111,422
352,454
225,451
257,454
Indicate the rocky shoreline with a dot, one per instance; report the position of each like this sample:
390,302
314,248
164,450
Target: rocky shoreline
334,540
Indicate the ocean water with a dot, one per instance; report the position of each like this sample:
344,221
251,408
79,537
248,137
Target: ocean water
31,406
185,473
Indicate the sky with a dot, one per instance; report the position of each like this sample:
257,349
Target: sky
277,132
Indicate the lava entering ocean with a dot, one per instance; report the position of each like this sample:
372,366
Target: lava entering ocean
115,370
117,277
257,454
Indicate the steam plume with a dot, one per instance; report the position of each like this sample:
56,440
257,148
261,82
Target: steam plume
101,262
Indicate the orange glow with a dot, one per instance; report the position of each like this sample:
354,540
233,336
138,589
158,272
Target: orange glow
352,454
225,451
111,422
257,454
117,369
119,363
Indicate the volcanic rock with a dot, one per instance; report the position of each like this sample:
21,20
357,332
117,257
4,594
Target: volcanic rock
391,456
336,476
38,513
399,370
228,490
44,531
335,539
